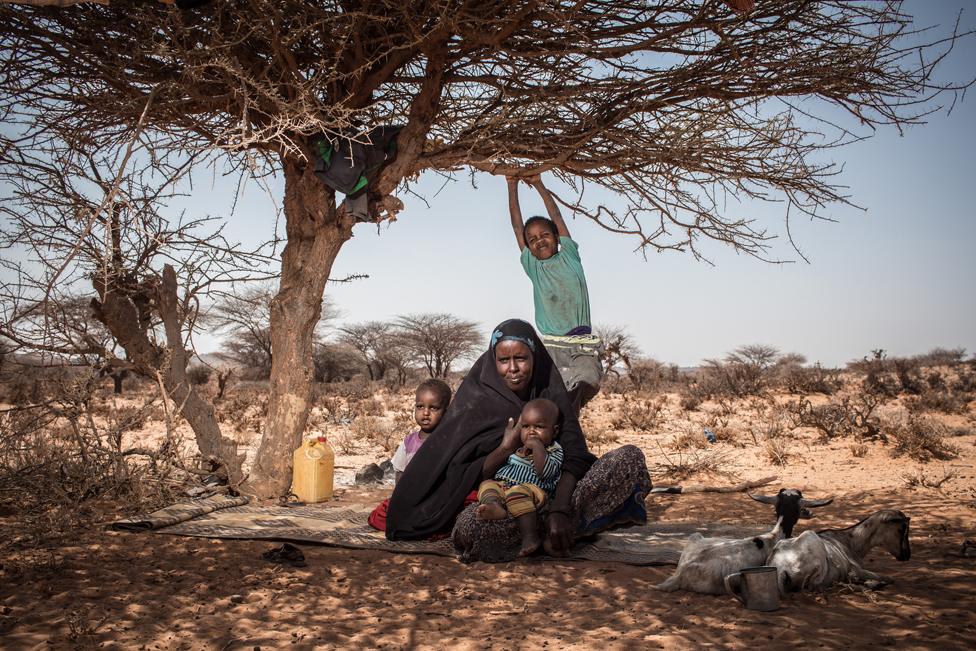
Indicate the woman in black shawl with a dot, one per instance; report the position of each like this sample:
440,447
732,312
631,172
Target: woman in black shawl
468,443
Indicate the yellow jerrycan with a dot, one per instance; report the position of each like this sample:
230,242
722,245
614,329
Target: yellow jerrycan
312,471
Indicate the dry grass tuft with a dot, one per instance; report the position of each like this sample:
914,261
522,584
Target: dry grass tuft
858,449
681,465
918,478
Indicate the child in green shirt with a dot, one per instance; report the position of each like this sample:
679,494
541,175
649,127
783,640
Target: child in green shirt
551,260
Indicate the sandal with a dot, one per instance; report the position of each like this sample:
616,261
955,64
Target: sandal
287,554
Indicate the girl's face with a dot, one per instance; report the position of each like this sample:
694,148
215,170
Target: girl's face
428,410
542,243
513,361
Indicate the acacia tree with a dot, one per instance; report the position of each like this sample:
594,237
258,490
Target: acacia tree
436,340
370,340
674,104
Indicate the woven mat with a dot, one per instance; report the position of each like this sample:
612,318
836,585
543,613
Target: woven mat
345,526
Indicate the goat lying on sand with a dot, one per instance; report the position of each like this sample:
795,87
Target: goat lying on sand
814,561
705,562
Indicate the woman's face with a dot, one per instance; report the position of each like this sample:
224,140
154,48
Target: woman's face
513,361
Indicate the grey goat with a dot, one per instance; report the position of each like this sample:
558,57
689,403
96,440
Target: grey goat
816,560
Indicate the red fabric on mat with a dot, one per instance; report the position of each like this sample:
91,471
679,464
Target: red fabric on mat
377,519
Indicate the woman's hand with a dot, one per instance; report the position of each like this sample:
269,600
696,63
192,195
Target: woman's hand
512,438
559,537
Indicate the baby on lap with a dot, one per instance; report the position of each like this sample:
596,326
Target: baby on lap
529,477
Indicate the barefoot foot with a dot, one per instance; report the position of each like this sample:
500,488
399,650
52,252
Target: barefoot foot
490,511
530,545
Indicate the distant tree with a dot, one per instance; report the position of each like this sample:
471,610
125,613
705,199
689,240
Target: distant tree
370,340
619,347
245,317
757,356
335,362
437,340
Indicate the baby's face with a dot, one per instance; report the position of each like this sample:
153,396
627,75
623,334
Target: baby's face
537,423
428,410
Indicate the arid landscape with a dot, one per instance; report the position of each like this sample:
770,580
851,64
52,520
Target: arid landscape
883,433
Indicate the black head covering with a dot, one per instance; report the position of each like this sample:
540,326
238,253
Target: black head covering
448,466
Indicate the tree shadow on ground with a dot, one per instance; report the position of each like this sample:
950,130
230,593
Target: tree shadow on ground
156,591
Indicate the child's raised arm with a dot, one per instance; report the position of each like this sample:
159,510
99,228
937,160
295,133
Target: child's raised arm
515,211
551,207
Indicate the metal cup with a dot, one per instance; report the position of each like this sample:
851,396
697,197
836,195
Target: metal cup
755,587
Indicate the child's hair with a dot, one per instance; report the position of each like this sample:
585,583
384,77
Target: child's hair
548,407
548,222
438,388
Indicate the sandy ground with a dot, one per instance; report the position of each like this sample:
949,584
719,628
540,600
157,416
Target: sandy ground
146,591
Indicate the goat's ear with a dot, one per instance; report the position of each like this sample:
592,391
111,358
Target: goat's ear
765,499
813,504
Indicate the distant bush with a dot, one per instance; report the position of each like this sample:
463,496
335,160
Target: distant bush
844,416
920,438
638,414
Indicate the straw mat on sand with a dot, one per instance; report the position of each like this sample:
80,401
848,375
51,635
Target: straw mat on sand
345,526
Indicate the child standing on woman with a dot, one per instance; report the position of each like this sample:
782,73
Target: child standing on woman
551,260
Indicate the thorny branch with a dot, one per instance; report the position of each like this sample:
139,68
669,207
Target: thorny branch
676,105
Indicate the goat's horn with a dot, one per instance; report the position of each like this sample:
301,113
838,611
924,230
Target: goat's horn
765,499
815,503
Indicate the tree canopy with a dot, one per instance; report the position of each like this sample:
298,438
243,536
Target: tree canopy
670,103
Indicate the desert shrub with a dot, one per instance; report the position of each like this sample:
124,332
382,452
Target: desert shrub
944,401
806,380
683,464
375,431
601,437
647,374
638,414
335,409
942,357
691,437
844,416
920,438
246,409
965,381
27,386
690,398
909,375
918,478
776,450
858,449
58,463
199,374
878,379
369,406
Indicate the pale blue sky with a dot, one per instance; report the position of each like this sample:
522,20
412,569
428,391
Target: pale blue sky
899,276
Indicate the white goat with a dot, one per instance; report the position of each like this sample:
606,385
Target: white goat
816,560
705,562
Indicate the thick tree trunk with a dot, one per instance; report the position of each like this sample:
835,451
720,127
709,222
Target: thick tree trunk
316,232
117,383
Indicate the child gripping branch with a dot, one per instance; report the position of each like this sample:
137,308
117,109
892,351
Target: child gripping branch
551,260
